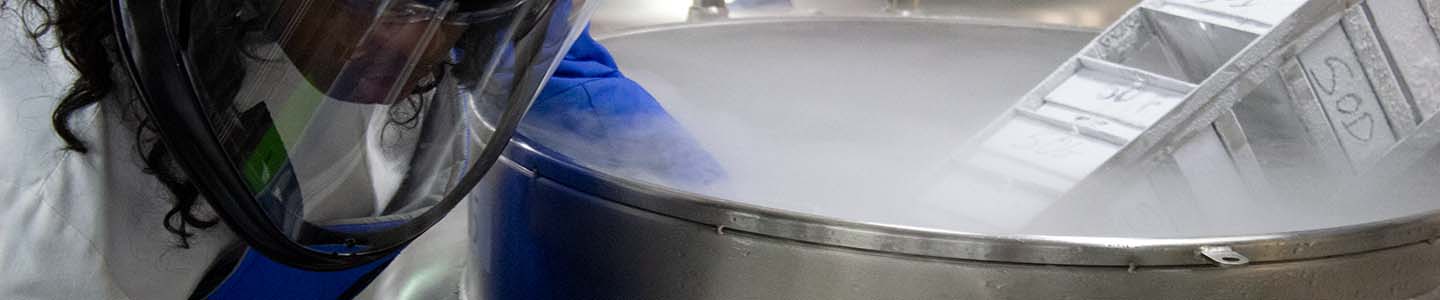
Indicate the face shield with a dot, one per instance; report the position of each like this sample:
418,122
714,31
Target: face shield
327,133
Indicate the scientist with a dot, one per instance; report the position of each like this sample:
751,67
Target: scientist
278,148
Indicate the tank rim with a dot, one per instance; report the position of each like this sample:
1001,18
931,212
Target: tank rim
733,216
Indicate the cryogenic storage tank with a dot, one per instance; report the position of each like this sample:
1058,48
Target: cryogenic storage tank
806,158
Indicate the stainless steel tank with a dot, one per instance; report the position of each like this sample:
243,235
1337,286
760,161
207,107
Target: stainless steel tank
829,128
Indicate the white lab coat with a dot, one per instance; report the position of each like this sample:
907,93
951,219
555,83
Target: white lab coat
80,226
89,226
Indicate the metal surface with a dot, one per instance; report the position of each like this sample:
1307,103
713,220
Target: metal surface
1224,256
553,239
618,16
954,244
1337,76
1221,52
598,249
583,233
729,216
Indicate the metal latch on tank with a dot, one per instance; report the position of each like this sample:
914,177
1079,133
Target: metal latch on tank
1224,256
1159,91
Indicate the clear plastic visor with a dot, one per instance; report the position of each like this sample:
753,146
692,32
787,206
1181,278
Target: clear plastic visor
349,118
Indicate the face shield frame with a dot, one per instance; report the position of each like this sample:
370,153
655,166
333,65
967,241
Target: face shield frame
151,46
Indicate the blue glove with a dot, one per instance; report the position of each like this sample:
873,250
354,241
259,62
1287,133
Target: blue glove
591,113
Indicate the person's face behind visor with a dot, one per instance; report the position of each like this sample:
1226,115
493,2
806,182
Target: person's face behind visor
312,124
366,51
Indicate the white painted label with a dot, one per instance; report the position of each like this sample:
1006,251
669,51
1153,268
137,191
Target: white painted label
1129,100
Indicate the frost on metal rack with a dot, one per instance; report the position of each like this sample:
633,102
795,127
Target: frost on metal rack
1146,93
1350,107
1414,50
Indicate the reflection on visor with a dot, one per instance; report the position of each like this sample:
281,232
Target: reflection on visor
367,51
352,113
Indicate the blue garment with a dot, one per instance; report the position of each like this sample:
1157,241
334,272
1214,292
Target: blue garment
592,114
258,277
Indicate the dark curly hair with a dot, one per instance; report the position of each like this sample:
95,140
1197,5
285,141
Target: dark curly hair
83,32
85,35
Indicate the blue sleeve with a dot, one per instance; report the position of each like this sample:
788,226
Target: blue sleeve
592,113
